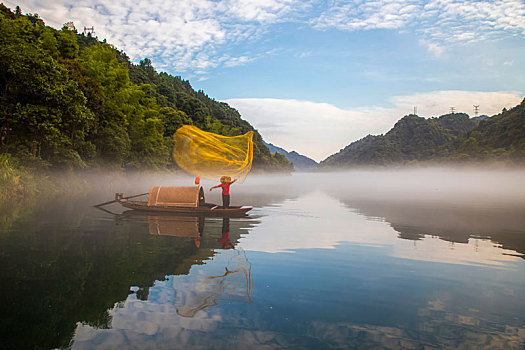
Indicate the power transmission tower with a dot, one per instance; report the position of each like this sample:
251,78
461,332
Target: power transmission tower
89,30
452,109
415,110
476,110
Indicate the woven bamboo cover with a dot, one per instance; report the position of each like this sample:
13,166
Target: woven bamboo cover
180,196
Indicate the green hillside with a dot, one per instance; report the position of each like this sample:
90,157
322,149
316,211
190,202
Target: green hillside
411,139
501,138
451,138
69,100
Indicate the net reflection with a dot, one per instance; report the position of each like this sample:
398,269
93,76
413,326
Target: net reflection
219,271
200,292
230,277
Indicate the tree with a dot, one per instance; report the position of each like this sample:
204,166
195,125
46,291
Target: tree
44,112
67,43
69,26
68,99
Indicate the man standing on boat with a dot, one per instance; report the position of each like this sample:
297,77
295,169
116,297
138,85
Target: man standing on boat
225,185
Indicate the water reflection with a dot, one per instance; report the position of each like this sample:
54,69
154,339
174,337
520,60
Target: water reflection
179,226
225,240
324,219
441,232
174,301
322,262
196,292
57,270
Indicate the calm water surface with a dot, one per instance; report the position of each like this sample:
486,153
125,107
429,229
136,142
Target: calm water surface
420,260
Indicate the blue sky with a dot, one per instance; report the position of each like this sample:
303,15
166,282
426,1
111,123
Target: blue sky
313,76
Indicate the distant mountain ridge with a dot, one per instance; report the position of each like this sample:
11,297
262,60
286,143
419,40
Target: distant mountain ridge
300,162
411,138
451,137
481,117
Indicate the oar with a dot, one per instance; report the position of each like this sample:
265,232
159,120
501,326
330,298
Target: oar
115,200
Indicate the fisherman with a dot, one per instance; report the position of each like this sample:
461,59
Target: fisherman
226,181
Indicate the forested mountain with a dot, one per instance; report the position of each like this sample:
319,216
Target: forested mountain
412,138
69,100
449,138
300,162
500,137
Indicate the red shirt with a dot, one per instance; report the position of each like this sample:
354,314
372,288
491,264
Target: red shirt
225,241
225,187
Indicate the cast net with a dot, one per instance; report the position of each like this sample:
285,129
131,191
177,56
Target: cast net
211,156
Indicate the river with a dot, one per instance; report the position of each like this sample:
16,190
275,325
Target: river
398,259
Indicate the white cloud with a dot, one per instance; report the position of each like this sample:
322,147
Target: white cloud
313,129
438,23
259,10
321,129
183,35
187,35
237,61
434,48
367,15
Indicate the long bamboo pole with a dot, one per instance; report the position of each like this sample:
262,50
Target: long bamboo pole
115,200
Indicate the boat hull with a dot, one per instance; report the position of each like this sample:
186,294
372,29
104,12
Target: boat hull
208,209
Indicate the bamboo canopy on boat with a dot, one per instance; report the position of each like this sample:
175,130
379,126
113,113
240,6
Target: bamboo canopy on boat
211,156
176,196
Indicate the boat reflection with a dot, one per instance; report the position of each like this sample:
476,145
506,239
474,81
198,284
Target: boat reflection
199,292
179,226
200,228
175,226
227,277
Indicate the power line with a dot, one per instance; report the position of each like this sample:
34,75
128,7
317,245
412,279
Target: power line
476,110
89,30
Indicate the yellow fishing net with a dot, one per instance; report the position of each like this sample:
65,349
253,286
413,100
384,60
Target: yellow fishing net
211,156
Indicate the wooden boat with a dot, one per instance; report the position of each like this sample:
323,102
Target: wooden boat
183,200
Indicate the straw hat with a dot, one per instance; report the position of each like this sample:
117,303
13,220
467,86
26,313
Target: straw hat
226,178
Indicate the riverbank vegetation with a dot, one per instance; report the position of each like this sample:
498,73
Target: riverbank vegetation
70,101
19,181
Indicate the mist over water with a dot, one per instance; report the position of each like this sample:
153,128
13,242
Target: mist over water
426,257
476,187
